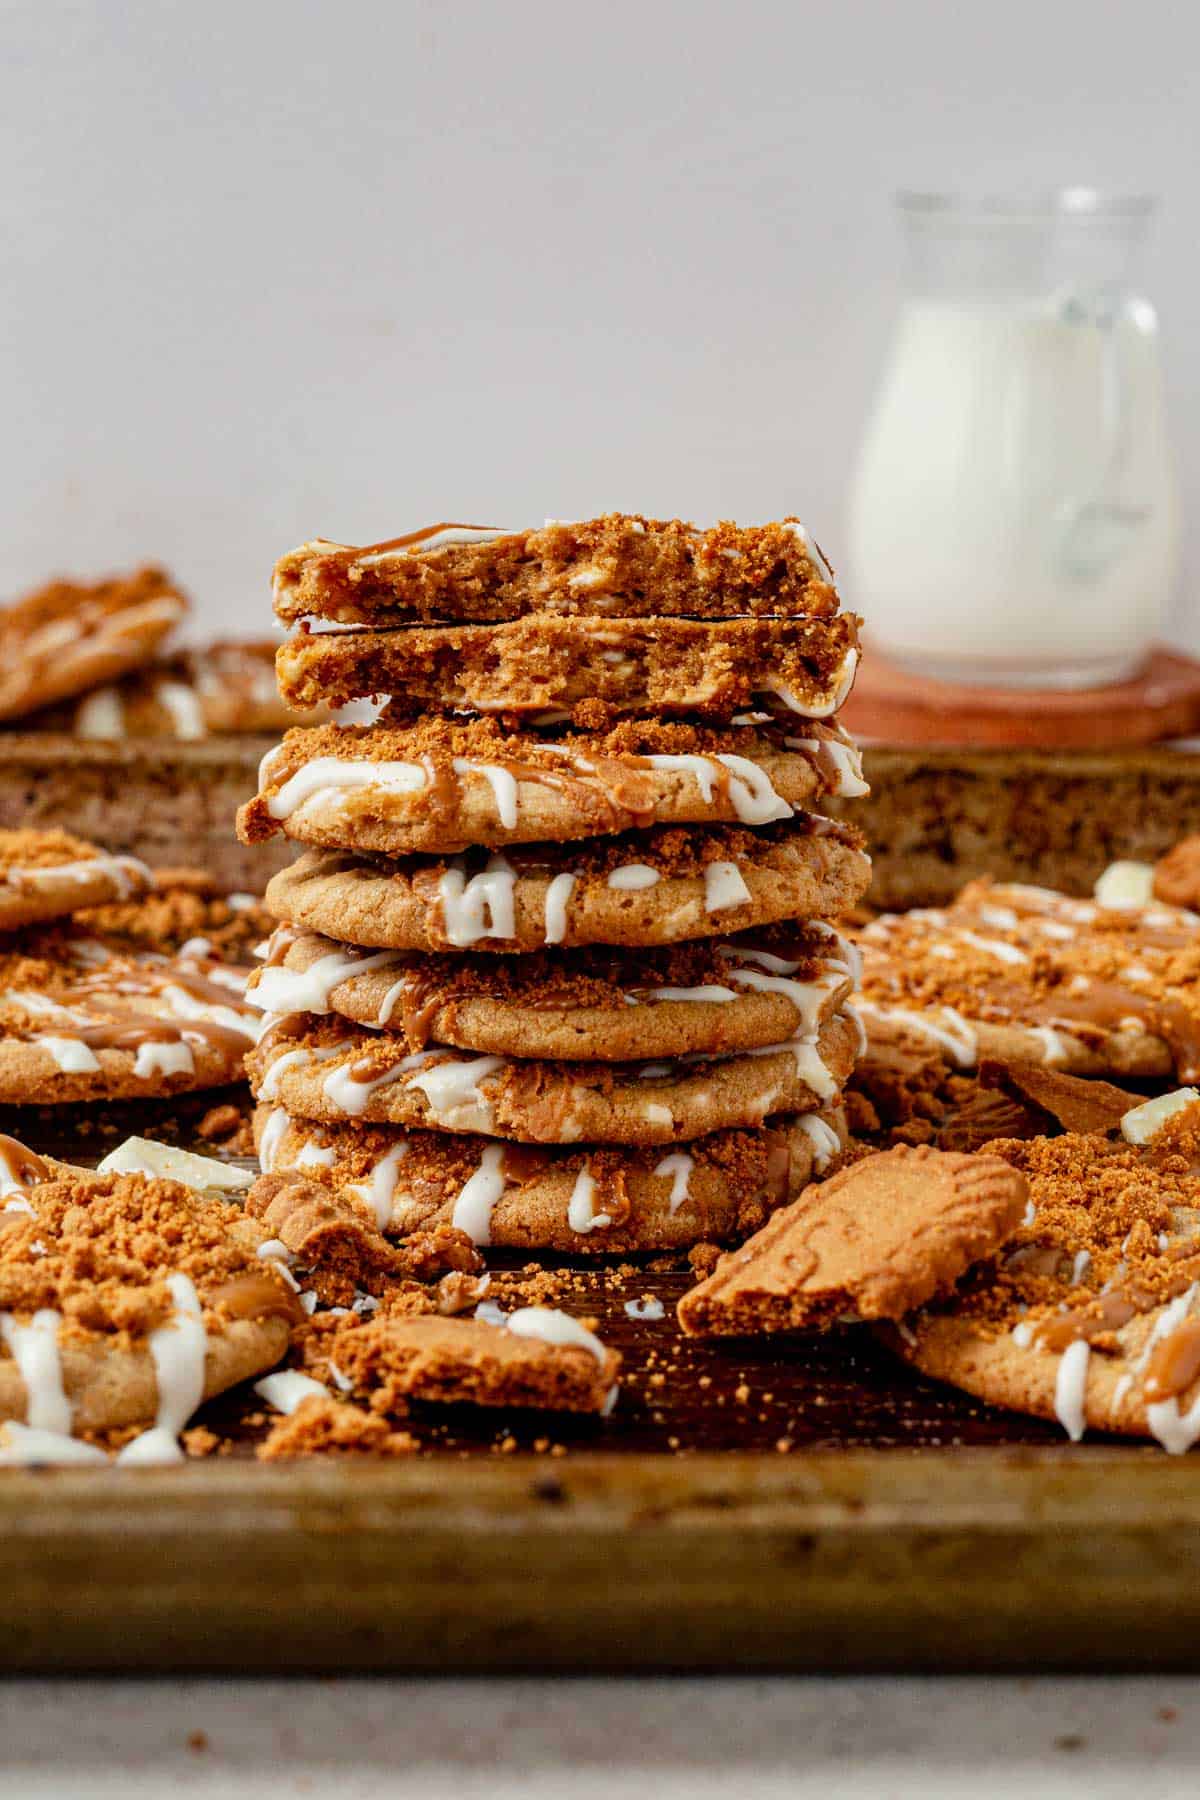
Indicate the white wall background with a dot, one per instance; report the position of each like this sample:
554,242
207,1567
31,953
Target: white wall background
279,268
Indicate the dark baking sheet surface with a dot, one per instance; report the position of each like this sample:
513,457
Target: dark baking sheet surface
802,1502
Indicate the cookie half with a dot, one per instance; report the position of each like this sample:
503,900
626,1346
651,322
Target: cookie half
535,1197
713,996
1023,974
328,1070
546,667
127,1301
441,786
66,638
621,564
80,1021
875,1241
46,874
653,887
1091,1313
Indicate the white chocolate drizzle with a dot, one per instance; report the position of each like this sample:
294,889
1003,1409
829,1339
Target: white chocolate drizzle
557,895
325,775
178,1350
1070,1388
479,908
553,1327
278,989
677,1169
826,1144
288,1388
581,1213
479,1195
34,1349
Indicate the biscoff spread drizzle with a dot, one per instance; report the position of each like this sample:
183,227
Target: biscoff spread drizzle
1062,968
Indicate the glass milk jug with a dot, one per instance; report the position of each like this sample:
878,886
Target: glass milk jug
1013,515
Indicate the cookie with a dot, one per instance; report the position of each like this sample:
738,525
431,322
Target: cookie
441,786
713,996
539,1357
874,1241
185,910
522,1196
66,638
647,888
1088,1315
622,565
1175,877
79,1021
46,874
328,1070
124,1302
545,668
223,687
1023,974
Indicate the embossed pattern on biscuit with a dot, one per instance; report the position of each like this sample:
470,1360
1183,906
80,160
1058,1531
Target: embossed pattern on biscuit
875,1241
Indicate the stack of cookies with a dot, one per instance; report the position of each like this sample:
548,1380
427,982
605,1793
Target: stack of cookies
554,966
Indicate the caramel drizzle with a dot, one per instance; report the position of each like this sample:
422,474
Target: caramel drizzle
257,1297
22,1164
419,537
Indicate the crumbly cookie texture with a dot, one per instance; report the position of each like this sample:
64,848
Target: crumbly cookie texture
595,1199
620,564
328,1070
441,786
323,1426
1088,1313
48,874
81,1021
185,907
190,694
711,995
874,1241
125,1300
551,667
539,1357
66,638
661,886
1023,974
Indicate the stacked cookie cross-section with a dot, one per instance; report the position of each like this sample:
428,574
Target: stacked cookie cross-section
555,963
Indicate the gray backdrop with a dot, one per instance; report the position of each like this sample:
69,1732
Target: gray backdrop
274,268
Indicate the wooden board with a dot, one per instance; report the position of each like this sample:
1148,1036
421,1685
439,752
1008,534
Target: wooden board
890,706
904,1527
